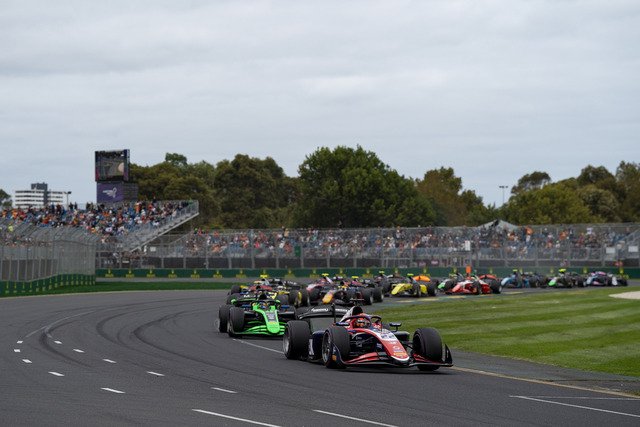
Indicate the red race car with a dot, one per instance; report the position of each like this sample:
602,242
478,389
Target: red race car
360,339
471,285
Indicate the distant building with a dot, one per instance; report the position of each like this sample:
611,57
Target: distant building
39,196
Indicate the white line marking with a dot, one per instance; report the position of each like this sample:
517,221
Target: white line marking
26,360
259,346
112,390
58,342
354,418
155,373
234,418
16,350
57,374
77,350
223,390
577,406
18,342
109,360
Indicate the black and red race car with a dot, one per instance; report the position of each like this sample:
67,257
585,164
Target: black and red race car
360,339
470,285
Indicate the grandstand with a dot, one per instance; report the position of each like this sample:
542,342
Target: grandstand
586,245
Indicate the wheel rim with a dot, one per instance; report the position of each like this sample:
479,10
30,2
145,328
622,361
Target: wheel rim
326,348
286,345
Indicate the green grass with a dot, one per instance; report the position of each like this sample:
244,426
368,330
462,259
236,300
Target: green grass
583,329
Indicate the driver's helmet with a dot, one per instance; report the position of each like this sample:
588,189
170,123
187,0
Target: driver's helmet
362,322
562,270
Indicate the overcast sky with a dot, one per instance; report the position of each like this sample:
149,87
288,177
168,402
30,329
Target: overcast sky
493,89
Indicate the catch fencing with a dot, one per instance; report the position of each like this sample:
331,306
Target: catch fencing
35,258
584,245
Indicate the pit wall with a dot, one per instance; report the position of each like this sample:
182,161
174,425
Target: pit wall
312,273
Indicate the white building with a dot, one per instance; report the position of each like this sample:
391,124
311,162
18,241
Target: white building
39,196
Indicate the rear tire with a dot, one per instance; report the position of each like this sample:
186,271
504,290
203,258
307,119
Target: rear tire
378,296
232,297
431,289
304,297
416,290
336,338
235,289
293,297
428,344
366,296
295,342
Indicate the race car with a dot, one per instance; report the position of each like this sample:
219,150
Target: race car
468,285
360,339
254,315
564,279
348,292
600,278
415,286
288,292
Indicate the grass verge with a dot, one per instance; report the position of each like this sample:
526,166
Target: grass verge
583,329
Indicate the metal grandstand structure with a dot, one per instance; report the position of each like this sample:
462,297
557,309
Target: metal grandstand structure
535,246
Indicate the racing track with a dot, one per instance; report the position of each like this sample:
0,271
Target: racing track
153,358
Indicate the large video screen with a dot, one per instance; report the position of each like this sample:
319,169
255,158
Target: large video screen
112,165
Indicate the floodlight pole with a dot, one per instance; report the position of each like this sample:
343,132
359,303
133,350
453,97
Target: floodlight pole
503,187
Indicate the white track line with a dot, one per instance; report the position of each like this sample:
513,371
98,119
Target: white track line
258,346
577,406
224,390
353,418
109,360
58,342
18,342
57,374
112,390
77,350
586,398
234,418
16,350
155,373
26,360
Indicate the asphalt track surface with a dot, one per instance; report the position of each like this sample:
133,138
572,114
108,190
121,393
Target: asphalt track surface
154,358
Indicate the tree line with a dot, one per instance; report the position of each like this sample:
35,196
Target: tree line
351,187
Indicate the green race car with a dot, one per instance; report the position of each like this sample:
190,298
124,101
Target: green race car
254,315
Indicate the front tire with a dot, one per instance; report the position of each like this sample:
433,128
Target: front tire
428,344
295,342
236,321
335,342
223,317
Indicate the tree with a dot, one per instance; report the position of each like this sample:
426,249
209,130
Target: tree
601,203
552,204
175,179
628,179
443,188
532,181
348,187
5,199
253,193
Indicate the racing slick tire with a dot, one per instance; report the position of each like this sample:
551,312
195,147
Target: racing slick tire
495,287
367,297
236,321
428,343
295,342
378,296
292,298
231,297
448,285
304,297
416,290
235,289
431,289
477,288
314,296
284,299
335,338
223,317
